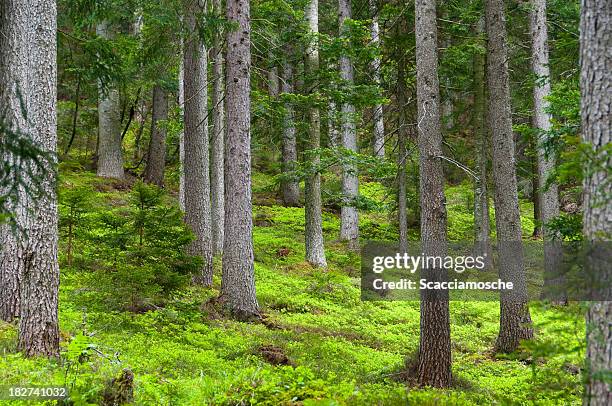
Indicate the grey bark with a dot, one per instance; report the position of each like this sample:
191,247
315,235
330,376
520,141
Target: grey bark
156,157
482,225
181,100
110,155
549,200
434,363
332,127
596,109
38,316
515,321
349,215
547,195
196,168
447,100
290,188
138,22
141,114
377,110
402,136
535,194
273,88
238,279
315,252
30,27
217,186
14,90
447,108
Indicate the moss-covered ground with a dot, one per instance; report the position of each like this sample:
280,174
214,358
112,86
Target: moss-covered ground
329,347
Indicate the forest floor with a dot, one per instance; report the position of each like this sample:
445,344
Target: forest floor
320,343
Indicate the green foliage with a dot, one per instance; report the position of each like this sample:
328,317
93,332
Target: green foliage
568,226
563,140
345,351
74,203
135,253
125,301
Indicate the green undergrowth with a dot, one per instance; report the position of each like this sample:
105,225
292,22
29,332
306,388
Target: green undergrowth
336,349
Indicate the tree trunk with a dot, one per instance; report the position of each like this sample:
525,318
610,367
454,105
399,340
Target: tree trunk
38,318
142,115
75,114
482,226
290,188
535,193
548,194
549,199
14,91
110,155
515,321
434,367
238,280
447,100
315,252
197,177
402,136
377,111
217,186
156,157
332,127
181,100
273,88
349,216
596,104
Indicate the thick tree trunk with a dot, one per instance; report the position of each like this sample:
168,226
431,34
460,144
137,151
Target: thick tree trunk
238,279
482,226
14,91
217,186
38,318
315,252
377,110
349,215
402,136
290,188
156,157
110,155
596,105
197,177
515,321
434,367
